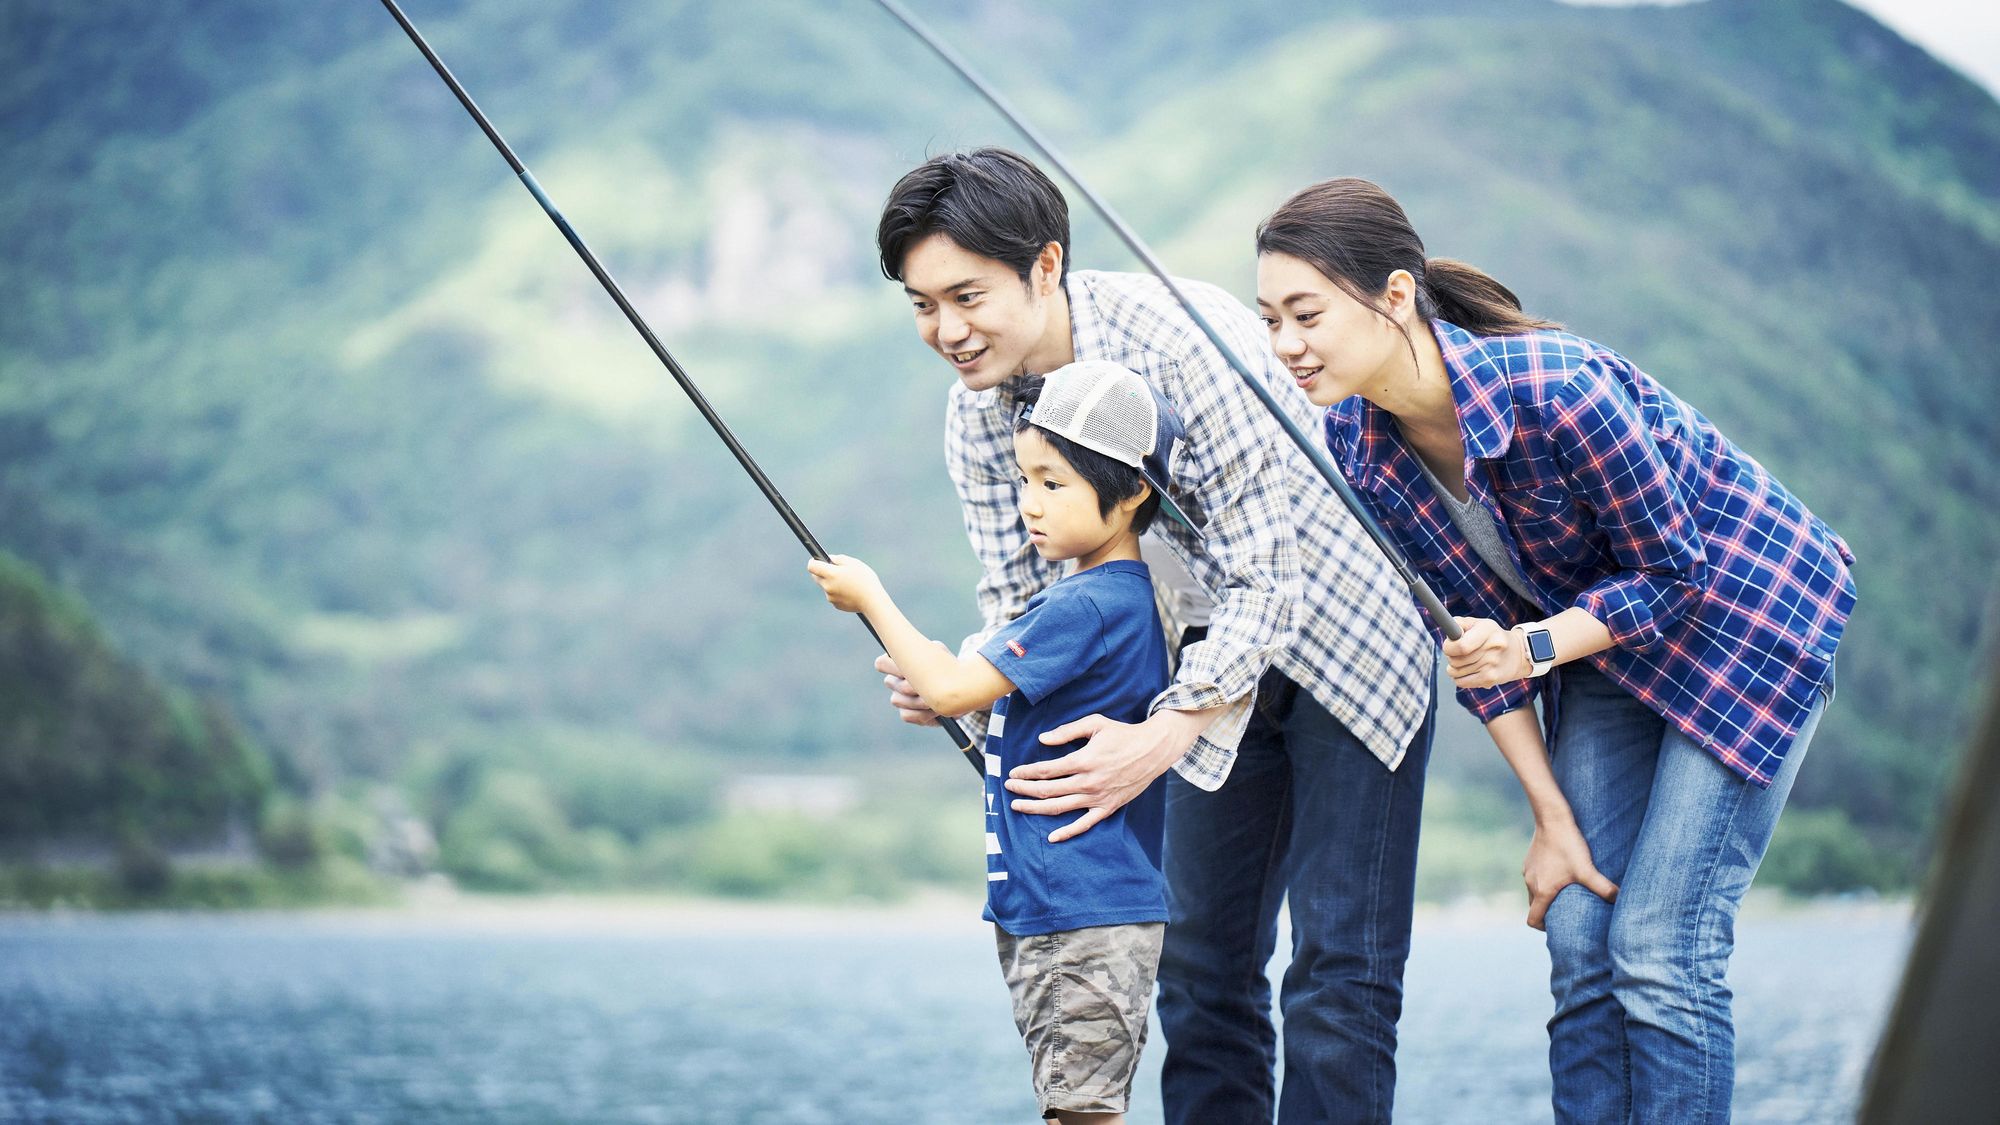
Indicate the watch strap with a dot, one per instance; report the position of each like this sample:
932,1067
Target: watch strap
1529,635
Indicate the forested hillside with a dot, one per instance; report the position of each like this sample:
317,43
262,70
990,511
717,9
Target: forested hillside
302,394
92,749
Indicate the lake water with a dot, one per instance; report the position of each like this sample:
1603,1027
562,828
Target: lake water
704,1014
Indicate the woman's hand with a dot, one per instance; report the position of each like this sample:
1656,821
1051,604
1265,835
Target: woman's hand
849,583
1557,857
1486,655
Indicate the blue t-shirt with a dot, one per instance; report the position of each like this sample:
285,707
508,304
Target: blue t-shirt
1089,644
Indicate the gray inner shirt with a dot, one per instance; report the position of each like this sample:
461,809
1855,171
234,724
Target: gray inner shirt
1479,529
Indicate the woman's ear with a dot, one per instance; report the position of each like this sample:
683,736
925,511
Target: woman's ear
1399,296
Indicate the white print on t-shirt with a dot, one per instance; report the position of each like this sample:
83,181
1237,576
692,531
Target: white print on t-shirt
992,814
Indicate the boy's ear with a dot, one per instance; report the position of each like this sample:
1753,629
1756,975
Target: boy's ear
1130,505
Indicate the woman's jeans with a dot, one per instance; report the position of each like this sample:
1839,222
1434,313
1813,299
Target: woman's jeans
1310,815
1642,1028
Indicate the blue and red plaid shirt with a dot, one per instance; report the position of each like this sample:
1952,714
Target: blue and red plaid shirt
1724,596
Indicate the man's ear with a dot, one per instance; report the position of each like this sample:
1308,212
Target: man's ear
1048,268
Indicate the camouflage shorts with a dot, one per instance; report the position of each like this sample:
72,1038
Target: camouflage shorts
1080,1000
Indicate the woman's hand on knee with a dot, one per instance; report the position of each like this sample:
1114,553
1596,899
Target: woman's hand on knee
1558,856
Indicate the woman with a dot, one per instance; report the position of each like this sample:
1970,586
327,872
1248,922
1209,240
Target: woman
1606,548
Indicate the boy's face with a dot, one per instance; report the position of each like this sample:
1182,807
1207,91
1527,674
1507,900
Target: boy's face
978,314
1060,508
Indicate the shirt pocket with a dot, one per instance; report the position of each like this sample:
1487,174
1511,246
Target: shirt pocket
1549,527
1414,536
1397,513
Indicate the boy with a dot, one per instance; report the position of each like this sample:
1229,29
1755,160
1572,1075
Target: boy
1079,924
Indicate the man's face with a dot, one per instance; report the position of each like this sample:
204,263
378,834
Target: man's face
977,313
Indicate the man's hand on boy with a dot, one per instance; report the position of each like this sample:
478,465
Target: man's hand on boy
1114,766
848,582
903,694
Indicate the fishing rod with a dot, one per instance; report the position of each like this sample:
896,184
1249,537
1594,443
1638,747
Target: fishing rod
1439,616
708,413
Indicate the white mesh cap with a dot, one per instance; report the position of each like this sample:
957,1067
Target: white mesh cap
1110,409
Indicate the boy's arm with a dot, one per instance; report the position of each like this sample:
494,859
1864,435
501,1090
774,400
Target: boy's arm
950,685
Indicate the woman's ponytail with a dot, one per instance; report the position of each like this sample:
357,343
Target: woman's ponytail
1356,234
1467,296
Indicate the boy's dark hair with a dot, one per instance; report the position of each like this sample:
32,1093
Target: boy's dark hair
990,201
1111,479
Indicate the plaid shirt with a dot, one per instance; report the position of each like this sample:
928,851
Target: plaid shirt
1725,597
1350,637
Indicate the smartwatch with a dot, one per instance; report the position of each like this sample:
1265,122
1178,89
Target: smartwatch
1541,649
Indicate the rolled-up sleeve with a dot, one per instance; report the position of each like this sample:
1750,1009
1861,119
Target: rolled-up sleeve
1610,458
1238,479
1249,538
1488,704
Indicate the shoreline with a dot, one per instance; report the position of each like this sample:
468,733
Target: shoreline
428,908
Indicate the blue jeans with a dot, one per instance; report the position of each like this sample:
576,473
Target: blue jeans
1310,815
1642,1028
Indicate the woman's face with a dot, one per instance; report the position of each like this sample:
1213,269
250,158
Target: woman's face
1333,345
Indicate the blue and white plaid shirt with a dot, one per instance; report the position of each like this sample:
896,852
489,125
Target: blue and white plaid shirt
1724,595
1347,633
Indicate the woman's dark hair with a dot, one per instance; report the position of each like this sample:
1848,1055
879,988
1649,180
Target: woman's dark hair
989,201
1357,235
1111,479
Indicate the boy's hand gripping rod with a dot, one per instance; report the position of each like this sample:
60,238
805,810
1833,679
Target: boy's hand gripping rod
1313,452
714,420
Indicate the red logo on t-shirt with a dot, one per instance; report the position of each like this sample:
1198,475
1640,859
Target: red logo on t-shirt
1015,648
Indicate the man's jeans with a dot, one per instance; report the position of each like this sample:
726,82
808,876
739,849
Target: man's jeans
1642,1028
1307,813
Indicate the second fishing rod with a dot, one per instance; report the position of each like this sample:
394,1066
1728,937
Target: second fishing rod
1314,453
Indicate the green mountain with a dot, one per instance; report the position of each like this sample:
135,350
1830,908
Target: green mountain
307,399
93,749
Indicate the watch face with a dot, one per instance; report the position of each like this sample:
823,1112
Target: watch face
1541,646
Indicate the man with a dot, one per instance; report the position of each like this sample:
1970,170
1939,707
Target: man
1325,772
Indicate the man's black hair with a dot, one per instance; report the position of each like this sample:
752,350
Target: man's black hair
991,202
1111,479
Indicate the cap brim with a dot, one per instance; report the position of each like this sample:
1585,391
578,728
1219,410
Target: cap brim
1170,508
1167,431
